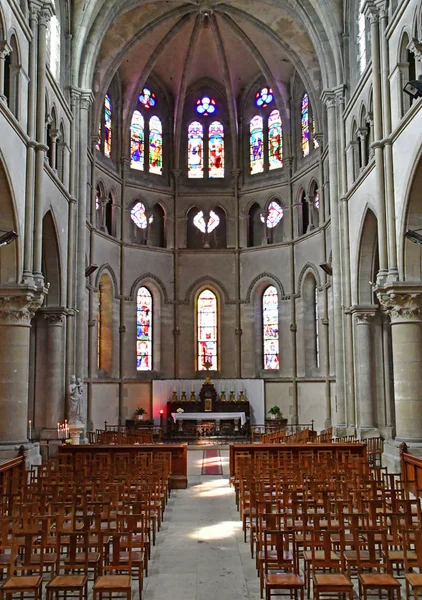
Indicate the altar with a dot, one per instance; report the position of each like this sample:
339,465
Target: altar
216,417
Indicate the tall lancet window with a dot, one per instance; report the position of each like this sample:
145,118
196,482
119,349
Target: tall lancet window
195,150
144,330
270,326
155,146
316,329
216,150
207,331
304,110
137,148
107,126
275,140
256,145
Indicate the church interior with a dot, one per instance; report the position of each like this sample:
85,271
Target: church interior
211,256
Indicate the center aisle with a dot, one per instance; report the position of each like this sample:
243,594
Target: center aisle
200,553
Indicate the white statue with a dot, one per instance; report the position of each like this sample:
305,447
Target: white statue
76,395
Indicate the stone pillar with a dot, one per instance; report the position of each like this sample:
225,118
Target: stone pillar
54,138
372,13
17,307
330,99
238,330
364,376
176,330
53,397
362,133
403,302
5,50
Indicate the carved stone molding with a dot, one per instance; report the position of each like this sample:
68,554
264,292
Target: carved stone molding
415,46
54,315
5,49
401,301
363,318
371,11
18,307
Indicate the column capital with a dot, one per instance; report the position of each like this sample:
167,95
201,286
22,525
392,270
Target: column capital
364,312
87,98
54,315
5,49
45,13
362,132
402,301
19,305
415,46
319,137
328,98
371,11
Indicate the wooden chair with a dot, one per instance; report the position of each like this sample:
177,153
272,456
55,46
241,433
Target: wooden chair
278,557
21,579
412,540
73,547
376,563
112,581
324,559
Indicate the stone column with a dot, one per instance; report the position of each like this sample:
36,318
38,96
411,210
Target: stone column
44,17
176,330
364,377
5,50
53,397
403,302
330,100
372,13
17,307
362,133
238,330
54,138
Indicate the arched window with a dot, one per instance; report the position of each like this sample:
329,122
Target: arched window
207,331
255,228
195,150
304,111
140,222
304,217
216,150
270,328
144,330
311,324
137,150
105,324
275,140
157,228
256,145
109,215
12,69
206,228
146,136
107,126
265,134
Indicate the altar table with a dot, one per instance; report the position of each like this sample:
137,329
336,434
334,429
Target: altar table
209,416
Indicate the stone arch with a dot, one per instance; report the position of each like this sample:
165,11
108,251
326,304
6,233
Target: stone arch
412,252
368,260
106,268
51,264
144,280
309,267
9,254
105,323
12,69
310,320
260,282
202,283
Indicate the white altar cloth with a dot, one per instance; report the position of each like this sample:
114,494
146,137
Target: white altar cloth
215,416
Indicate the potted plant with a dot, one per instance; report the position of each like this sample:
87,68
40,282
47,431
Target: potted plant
139,413
275,412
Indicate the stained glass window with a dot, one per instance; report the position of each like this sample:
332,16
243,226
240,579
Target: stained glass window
155,146
314,140
53,33
275,140
206,226
305,124
207,331
107,126
316,198
97,198
264,97
270,325
256,145
216,150
138,216
147,98
137,150
274,215
205,106
144,330
195,150
361,38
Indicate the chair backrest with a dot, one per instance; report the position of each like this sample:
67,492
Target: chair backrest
120,558
322,555
371,553
412,540
279,548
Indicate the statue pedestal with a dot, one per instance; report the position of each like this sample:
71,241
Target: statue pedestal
75,433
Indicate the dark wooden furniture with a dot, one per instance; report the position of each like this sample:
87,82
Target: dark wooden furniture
179,461
411,471
337,450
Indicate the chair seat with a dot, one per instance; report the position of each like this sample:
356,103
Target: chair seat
332,580
67,581
378,580
273,555
288,580
115,582
415,579
24,582
320,555
398,555
80,557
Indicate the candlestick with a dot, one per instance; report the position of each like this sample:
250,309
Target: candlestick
58,431
30,430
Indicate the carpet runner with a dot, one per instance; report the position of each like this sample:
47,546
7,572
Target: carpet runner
211,463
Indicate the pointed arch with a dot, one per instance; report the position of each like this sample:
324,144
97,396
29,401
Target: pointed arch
259,283
51,266
207,330
144,329
307,268
255,226
106,268
105,324
10,254
368,259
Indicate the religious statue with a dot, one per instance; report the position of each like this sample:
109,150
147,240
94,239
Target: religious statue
76,394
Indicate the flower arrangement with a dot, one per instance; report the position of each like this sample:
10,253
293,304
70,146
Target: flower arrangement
180,410
275,410
140,411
